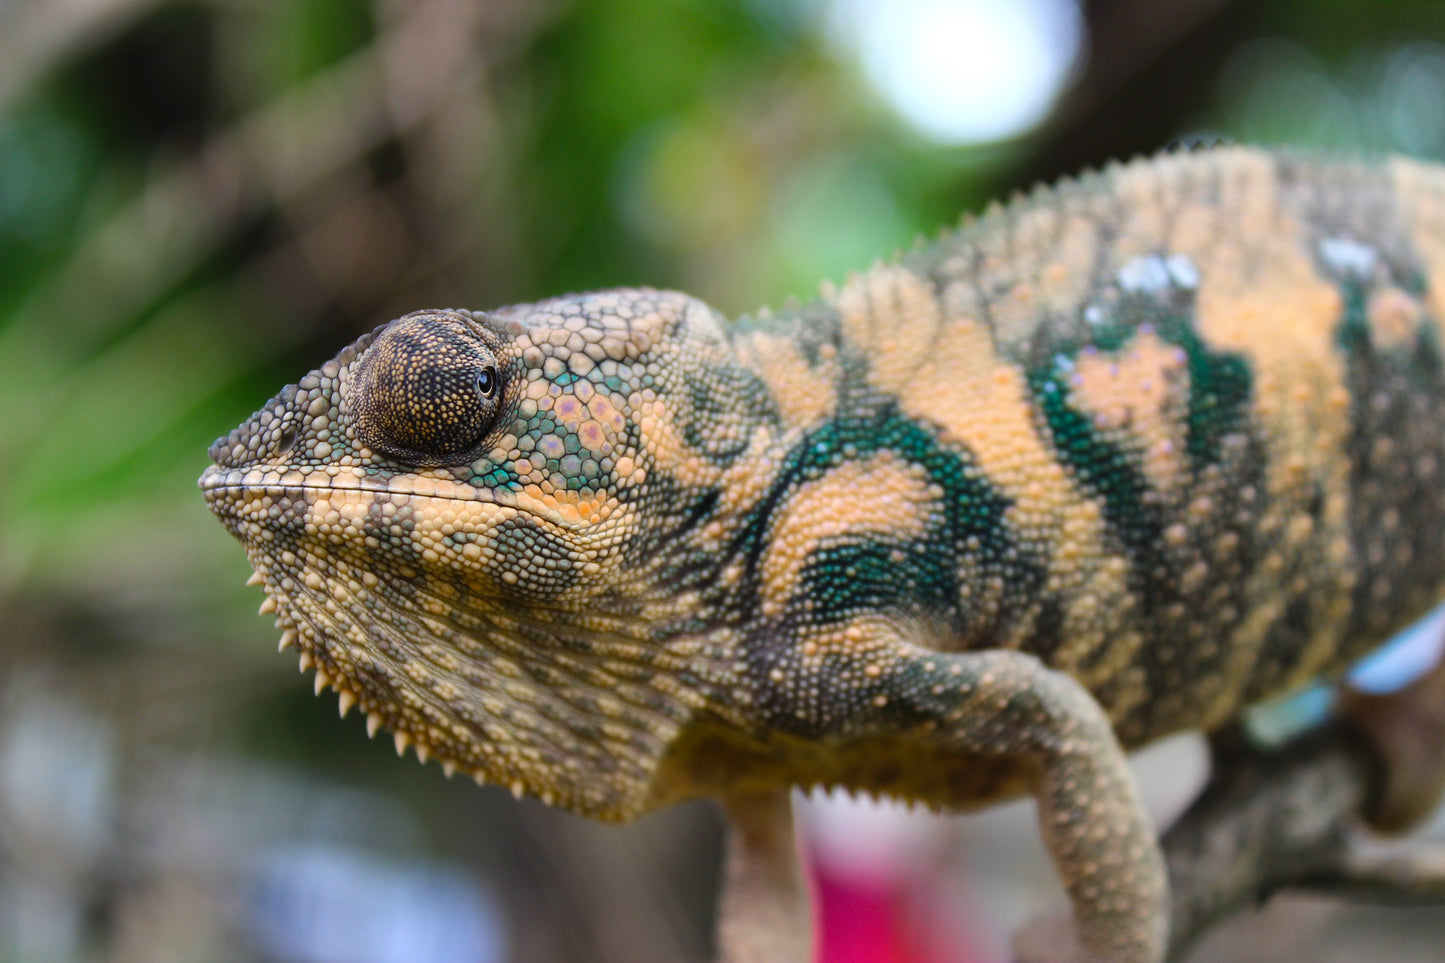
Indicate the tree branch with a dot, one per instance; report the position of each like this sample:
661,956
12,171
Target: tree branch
1287,817
1267,820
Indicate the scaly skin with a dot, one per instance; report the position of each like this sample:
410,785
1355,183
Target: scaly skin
1114,461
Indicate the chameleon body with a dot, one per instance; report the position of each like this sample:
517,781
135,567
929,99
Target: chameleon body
1116,460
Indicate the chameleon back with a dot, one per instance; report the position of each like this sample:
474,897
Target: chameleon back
1177,428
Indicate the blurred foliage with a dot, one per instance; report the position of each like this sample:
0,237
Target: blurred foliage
199,201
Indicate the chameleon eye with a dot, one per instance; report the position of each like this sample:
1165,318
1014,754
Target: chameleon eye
425,390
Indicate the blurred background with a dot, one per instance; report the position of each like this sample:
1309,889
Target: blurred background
202,200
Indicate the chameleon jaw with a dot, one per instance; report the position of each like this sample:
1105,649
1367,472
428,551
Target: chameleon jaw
492,690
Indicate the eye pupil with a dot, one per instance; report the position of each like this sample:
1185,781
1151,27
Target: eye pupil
487,381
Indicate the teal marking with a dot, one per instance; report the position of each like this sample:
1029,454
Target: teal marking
865,571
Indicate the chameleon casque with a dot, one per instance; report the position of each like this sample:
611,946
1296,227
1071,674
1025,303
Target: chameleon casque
1116,460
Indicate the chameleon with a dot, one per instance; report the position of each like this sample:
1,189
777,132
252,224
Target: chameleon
1119,459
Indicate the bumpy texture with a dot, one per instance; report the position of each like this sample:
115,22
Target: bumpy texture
1114,461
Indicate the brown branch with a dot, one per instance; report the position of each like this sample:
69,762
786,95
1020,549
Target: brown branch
1287,817
1266,821
1417,879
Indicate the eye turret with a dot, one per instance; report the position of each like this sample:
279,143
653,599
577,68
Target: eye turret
427,389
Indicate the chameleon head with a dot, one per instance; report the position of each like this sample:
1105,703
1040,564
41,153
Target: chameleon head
457,521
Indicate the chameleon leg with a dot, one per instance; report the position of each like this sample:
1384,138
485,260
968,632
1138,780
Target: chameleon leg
1008,704
763,916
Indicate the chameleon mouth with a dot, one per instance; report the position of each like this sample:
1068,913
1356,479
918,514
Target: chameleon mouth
279,479
573,512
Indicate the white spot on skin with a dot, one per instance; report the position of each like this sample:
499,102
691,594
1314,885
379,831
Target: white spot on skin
1183,271
1156,274
1145,275
1349,257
